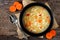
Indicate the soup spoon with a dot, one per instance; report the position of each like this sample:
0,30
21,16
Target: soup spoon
14,20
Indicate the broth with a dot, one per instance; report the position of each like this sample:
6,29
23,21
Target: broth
36,19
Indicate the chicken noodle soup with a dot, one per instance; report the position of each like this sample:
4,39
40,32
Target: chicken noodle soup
36,19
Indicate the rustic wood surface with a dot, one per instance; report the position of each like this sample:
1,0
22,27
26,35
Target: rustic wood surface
4,5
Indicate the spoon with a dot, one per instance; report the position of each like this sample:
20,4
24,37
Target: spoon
14,20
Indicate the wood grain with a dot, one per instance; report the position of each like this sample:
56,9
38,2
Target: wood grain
4,5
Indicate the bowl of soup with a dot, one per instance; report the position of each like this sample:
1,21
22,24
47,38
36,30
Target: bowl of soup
36,19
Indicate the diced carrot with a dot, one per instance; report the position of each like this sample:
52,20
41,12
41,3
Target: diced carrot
47,18
25,25
53,32
12,8
31,29
48,35
28,24
39,20
27,14
19,6
35,17
40,26
15,3
48,21
39,14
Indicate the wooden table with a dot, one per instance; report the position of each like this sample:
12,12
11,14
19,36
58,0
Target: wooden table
55,5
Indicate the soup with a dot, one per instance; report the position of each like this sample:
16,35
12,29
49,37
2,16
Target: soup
36,19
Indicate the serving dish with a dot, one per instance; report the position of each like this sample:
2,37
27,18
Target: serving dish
36,4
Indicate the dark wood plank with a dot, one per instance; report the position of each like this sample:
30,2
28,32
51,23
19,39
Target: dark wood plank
4,5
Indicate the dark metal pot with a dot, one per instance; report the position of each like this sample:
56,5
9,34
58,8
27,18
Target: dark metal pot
36,4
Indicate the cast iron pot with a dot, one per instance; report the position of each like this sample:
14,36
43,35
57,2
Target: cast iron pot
21,16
